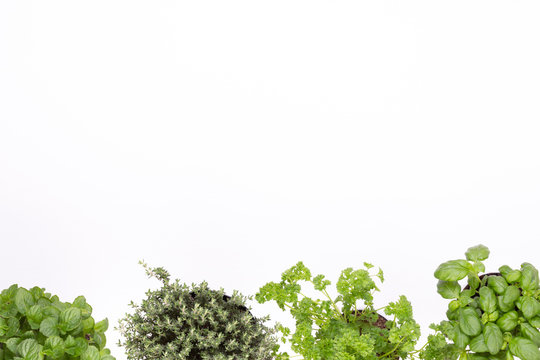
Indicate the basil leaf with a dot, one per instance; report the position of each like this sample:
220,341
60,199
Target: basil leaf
469,322
478,344
510,296
508,321
513,276
529,277
460,339
493,337
488,300
530,333
477,253
453,270
497,283
524,349
535,321
529,306
448,289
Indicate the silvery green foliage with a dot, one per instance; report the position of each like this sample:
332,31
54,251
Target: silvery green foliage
194,322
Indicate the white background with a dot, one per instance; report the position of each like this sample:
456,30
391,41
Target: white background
226,140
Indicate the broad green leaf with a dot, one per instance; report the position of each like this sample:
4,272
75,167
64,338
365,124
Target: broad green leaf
12,345
70,319
102,326
54,347
13,327
474,281
99,340
75,346
453,270
24,300
469,322
86,310
477,253
510,296
497,283
530,333
529,306
478,344
88,325
51,311
488,300
3,326
535,321
513,276
524,349
92,353
29,349
505,269
448,289
49,327
34,316
460,339
508,321
107,357
493,337
36,292
529,277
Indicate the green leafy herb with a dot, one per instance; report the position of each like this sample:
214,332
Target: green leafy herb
37,326
346,326
496,316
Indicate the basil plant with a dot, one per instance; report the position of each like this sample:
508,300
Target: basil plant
495,316
37,326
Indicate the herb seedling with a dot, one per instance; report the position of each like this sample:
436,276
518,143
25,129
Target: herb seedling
496,316
346,327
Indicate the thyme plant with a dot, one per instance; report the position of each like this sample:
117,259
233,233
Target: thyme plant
181,322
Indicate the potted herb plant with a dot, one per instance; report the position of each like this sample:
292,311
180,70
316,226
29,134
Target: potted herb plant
495,316
35,325
344,327
184,322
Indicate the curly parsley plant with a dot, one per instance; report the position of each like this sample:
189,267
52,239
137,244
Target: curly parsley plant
194,323
346,327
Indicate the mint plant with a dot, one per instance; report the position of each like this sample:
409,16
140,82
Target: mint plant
194,322
347,327
35,325
495,316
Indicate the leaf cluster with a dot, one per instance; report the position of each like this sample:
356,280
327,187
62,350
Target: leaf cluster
194,322
496,316
34,325
346,327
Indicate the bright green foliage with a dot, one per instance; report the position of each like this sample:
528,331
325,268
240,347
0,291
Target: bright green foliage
37,326
337,328
194,322
494,317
